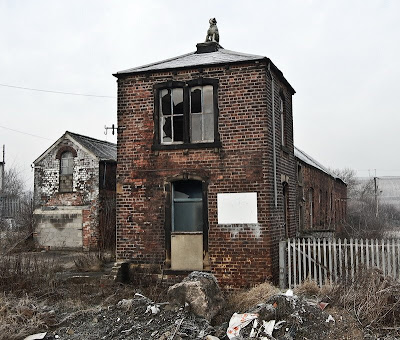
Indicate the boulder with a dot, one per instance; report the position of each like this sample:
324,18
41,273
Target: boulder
200,292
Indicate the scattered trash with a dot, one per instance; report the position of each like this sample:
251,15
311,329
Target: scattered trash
289,292
37,336
269,326
323,305
253,332
330,318
239,321
154,309
279,324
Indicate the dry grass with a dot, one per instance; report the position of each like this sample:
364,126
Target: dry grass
20,317
308,288
243,301
24,272
90,262
373,298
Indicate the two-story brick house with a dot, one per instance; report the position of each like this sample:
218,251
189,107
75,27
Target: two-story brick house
206,176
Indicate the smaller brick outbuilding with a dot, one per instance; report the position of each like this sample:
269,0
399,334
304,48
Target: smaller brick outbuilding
321,197
74,194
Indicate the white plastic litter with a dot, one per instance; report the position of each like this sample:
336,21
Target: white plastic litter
279,324
154,309
330,318
239,321
289,292
37,336
269,326
253,332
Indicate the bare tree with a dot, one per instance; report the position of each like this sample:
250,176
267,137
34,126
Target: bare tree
362,220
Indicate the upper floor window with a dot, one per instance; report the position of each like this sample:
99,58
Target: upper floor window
283,119
186,114
66,171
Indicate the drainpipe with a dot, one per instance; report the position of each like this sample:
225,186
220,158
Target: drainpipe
273,134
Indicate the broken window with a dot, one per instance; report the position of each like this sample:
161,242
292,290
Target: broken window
66,171
187,112
202,114
171,114
187,206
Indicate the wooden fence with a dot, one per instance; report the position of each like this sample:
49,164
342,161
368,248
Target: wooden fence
330,260
10,207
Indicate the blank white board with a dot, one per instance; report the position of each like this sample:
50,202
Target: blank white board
237,208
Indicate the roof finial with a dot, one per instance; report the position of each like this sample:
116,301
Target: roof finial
212,32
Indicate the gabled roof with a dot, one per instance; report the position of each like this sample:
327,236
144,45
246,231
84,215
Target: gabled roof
195,59
301,155
102,150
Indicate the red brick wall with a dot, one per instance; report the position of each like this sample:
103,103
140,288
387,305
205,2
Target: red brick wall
329,201
240,255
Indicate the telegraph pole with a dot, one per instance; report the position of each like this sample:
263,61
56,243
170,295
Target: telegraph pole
376,196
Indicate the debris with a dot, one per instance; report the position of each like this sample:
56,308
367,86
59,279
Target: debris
154,309
330,318
37,336
200,291
211,337
323,305
239,321
268,326
279,324
289,292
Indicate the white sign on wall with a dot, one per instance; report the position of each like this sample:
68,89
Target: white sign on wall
237,208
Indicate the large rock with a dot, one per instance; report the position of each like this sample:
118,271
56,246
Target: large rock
200,291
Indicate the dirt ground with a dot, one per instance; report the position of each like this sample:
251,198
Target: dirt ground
66,307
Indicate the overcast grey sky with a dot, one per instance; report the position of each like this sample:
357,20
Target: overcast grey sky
342,57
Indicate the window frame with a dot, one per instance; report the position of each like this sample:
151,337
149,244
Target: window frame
186,144
62,176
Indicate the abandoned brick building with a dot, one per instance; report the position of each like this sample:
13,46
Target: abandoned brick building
206,175
322,198
74,194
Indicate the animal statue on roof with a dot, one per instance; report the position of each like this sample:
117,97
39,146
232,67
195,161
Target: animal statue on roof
212,32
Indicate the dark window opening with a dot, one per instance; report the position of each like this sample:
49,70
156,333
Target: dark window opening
187,206
187,114
283,120
286,207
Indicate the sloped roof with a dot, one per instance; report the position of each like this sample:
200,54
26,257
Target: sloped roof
195,59
101,149
301,155
222,56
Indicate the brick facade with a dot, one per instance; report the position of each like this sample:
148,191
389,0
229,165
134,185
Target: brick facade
238,254
322,201
68,219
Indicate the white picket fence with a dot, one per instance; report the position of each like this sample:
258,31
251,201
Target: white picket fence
330,260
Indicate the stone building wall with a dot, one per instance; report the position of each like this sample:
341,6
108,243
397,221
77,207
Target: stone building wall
73,212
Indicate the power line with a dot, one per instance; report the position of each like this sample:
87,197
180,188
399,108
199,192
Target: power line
57,92
25,133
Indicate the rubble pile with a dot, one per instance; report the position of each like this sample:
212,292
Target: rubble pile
192,306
